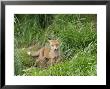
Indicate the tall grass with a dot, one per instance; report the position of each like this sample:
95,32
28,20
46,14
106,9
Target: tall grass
77,35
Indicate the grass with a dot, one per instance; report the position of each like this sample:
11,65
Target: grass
78,37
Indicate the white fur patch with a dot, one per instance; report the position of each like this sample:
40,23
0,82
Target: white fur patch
28,53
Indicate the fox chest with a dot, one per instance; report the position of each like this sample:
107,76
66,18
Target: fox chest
53,55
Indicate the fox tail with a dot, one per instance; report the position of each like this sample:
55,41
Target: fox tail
33,54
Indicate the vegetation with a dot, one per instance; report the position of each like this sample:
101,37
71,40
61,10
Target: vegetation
78,37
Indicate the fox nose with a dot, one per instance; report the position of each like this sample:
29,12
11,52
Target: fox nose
56,49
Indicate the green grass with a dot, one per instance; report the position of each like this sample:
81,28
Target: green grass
77,35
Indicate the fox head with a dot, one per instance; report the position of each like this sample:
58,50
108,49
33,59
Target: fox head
54,44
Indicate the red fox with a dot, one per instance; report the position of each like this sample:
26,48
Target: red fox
47,56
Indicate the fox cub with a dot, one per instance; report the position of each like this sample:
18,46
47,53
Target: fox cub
47,55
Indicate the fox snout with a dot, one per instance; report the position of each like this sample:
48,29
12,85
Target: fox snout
55,48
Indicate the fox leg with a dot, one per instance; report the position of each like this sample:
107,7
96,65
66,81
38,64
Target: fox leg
39,63
36,62
43,63
52,61
57,60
